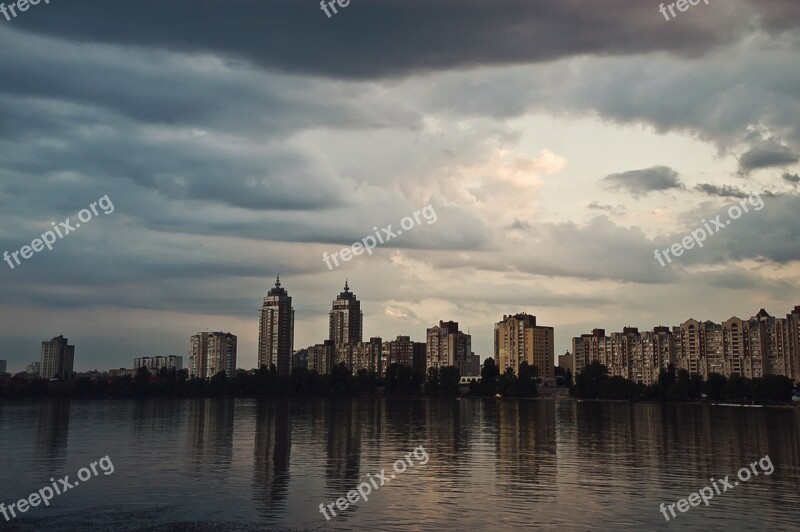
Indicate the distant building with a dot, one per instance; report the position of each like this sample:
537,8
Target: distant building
752,348
518,339
361,355
300,359
92,374
3,367
58,358
346,321
121,372
473,366
155,364
321,357
447,346
567,362
276,330
34,368
198,355
221,355
403,352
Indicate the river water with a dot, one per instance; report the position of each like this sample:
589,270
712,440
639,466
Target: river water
243,464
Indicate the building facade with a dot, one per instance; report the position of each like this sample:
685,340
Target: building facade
447,346
58,358
361,355
567,362
221,354
198,355
519,339
321,357
404,352
752,348
155,364
3,367
276,330
346,321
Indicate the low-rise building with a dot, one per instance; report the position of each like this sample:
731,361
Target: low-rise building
155,364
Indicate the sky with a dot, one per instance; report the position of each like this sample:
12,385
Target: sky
559,143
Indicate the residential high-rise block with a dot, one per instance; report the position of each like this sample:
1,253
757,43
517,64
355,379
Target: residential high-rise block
361,355
403,352
155,364
518,339
58,358
276,330
752,348
447,346
346,319
221,354
321,357
793,344
198,355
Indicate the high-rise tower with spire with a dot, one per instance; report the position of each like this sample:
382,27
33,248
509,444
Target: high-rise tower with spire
346,319
276,330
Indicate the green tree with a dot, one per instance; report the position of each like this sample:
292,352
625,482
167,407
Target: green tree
432,381
714,385
450,380
526,383
590,383
489,374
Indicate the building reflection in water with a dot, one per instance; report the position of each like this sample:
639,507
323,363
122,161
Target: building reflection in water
52,433
209,432
526,448
271,461
343,447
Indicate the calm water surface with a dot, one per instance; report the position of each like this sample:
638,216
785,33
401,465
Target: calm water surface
222,464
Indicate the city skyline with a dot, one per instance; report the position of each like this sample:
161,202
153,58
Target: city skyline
555,171
777,346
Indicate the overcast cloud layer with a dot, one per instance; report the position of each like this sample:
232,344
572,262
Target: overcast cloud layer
559,142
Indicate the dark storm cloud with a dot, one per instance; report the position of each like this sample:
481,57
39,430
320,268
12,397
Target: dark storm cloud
378,38
791,178
642,182
725,191
769,154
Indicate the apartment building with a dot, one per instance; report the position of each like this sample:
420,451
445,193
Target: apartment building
403,352
155,364
519,339
321,357
221,354
58,358
198,355
447,346
276,330
346,320
761,345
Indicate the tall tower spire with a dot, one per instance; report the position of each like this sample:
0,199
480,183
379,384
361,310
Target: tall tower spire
276,329
346,319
